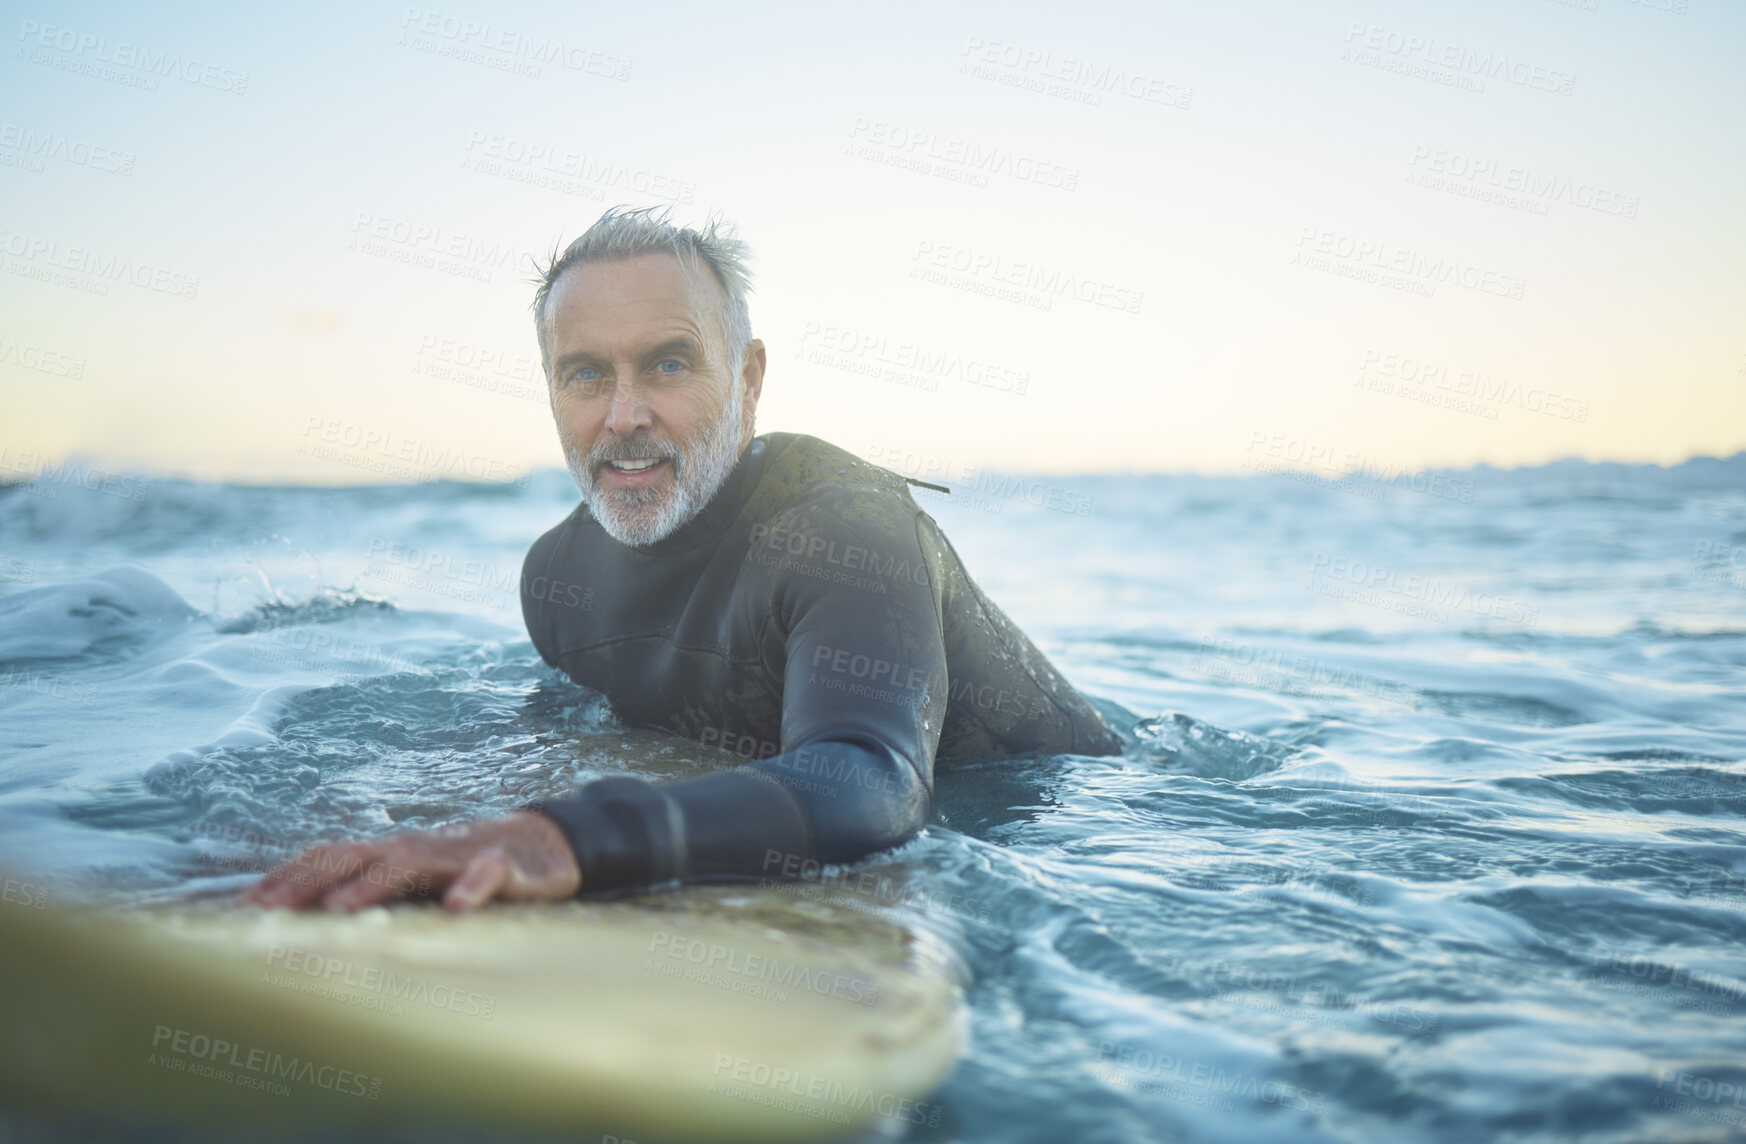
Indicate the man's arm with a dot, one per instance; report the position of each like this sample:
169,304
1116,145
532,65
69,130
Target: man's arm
864,686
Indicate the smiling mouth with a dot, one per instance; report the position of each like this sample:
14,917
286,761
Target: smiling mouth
641,466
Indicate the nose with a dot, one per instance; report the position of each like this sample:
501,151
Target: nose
628,412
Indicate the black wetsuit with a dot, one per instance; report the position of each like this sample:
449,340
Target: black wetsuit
813,619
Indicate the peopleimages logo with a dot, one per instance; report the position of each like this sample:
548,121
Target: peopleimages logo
1379,260
47,480
851,557
1276,451
40,145
330,971
1158,1071
386,451
208,1053
1534,186
882,138
508,49
1462,390
94,269
1387,587
1458,59
123,58
848,348
1035,283
814,1095
51,362
1072,77
712,957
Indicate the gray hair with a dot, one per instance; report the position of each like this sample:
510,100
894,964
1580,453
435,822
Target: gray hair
622,233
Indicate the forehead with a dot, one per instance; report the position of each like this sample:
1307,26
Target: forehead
617,305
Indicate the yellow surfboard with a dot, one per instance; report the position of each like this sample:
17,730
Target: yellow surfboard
704,1013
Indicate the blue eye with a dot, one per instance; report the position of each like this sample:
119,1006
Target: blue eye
584,373
674,362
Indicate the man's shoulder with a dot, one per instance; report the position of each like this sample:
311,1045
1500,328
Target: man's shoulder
816,495
811,468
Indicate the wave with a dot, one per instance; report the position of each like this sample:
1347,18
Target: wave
327,606
1182,743
105,616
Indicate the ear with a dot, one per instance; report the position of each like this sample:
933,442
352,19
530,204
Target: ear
752,377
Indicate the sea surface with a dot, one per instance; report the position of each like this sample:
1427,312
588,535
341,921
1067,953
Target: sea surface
1432,825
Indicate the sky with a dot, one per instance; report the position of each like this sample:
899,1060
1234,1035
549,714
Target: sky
294,242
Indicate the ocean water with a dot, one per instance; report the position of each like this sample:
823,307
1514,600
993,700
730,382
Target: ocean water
1430,828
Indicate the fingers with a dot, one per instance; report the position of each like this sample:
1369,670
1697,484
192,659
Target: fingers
366,889
522,857
304,880
485,875
341,876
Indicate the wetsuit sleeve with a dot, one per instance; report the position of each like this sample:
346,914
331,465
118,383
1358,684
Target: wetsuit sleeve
858,640
735,825
865,662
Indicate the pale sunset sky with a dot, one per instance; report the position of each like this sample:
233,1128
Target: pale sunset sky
1146,236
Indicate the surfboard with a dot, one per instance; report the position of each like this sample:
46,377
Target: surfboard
719,1013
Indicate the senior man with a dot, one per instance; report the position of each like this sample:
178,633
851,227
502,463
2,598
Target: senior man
773,595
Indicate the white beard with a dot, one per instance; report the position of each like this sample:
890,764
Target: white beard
637,517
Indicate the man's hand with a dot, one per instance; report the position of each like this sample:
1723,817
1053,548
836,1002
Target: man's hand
520,858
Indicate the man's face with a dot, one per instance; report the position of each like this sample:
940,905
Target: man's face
650,413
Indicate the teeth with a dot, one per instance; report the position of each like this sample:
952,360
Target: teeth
634,466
